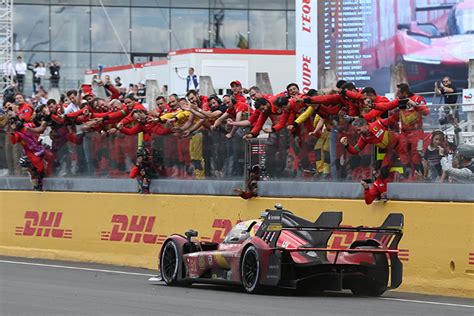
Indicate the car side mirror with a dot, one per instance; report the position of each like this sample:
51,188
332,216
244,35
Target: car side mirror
190,234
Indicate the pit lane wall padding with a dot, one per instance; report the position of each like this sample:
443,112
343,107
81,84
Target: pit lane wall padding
437,248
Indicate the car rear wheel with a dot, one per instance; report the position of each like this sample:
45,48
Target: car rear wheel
169,263
375,283
250,270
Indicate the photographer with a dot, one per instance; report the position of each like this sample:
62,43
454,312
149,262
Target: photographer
143,170
460,168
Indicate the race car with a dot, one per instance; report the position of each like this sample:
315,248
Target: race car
286,251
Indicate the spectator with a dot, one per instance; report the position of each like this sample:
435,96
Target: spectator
461,167
8,72
192,80
141,93
20,70
432,157
118,82
54,68
446,88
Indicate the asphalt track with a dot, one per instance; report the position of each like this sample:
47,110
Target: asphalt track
41,287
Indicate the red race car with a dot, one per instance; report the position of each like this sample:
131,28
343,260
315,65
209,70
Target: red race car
286,251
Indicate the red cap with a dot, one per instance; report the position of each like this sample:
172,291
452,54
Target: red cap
87,95
237,82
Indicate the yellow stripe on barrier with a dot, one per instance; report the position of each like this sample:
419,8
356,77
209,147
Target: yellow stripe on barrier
437,248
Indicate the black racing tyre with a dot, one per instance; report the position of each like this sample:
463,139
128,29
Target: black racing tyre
169,263
374,285
250,270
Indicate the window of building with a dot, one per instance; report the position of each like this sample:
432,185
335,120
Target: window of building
108,60
268,5
189,28
31,27
229,28
103,37
229,4
67,28
190,3
267,29
72,68
150,30
291,36
150,3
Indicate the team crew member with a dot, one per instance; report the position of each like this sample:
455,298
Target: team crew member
376,133
411,109
378,189
25,111
35,153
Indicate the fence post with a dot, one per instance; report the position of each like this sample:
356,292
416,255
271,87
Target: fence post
471,74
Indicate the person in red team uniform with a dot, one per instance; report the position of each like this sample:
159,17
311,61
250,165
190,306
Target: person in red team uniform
378,189
375,133
35,153
25,111
411,109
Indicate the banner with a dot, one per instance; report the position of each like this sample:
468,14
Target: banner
307,44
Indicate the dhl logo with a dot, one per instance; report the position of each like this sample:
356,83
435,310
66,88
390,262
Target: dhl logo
43,224
222,228
134,229
471,258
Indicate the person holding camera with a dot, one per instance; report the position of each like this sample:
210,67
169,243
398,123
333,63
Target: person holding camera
410,112
460,168
446,89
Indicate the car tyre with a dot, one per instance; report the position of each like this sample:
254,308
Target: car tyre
169,263
372,286
250,271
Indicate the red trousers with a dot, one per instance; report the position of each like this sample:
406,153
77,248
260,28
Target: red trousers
408,147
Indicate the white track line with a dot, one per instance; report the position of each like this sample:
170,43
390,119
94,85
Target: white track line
425,302
74,268
154,275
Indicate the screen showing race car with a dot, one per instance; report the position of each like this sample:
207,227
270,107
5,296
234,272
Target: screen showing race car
361,39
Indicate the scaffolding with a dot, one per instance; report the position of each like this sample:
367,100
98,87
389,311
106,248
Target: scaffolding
6,44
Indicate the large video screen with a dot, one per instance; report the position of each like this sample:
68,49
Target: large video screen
361,39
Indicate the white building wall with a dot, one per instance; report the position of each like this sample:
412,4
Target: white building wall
222,67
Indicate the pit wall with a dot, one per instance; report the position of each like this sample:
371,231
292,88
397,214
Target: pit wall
437,249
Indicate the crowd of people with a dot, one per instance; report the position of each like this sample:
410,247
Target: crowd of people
339,133
17,73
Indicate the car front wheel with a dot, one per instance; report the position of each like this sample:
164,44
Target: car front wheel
250,270
169,263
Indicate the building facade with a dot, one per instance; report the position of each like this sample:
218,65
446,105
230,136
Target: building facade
83,34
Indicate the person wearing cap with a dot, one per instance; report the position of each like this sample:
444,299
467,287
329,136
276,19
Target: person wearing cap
236,87
192,80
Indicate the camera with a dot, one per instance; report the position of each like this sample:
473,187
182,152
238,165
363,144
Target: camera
403,104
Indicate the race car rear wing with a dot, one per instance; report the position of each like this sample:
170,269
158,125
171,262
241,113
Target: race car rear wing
386,237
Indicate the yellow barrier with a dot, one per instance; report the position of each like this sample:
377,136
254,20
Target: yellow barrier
126,229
